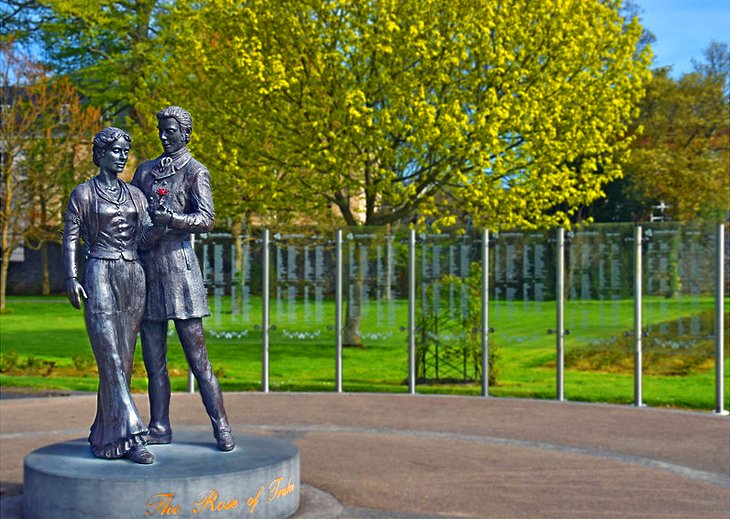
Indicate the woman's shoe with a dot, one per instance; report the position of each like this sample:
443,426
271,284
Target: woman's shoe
140,454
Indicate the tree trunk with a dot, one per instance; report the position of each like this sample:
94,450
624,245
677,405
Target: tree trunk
7,244
4,278
46,275
353,312
352,338
236,230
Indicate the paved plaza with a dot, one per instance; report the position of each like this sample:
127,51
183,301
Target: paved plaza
412,457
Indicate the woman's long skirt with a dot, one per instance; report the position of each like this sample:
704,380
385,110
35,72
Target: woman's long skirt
113,312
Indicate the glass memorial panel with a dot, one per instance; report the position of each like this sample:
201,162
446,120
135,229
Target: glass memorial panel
522,311
302,311
678,311
679,267
375,310
599,313
231,270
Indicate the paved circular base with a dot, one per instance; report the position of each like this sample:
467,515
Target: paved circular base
190,478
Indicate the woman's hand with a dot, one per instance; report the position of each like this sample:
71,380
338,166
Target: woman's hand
75,292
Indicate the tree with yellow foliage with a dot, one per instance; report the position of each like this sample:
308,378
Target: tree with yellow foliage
513,112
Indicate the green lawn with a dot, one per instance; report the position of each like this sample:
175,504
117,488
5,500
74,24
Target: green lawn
39,331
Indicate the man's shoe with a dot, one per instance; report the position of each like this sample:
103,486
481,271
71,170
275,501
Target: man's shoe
140,454
225,441
153,438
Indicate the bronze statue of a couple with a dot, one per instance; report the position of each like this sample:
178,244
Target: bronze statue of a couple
140,272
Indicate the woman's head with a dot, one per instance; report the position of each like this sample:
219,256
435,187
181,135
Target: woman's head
106,138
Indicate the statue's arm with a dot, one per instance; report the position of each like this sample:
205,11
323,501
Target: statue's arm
150,233
70,244
202,217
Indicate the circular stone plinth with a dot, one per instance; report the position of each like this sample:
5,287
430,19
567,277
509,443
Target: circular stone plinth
189,478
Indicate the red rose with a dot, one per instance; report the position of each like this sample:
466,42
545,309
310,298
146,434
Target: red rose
162,191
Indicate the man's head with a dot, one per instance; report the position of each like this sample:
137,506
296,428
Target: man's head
174,125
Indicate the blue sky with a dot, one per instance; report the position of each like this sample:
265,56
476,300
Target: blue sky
684,28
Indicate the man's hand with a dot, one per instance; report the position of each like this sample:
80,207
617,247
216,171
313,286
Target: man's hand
161,216
75,292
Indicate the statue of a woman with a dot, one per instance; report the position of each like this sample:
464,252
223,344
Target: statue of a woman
111,219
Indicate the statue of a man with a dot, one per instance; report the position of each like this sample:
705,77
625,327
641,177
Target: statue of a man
178,191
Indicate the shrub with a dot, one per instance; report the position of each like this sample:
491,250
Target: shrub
8,361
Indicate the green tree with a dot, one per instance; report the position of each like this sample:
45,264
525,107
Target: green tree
19,20
682,156
102,46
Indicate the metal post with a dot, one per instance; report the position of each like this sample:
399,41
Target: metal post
638,400
265,314
412,312
560,315
338,311
191,381
720,323
485,312
191,377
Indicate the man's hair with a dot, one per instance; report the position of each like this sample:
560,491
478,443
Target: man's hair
106,137
182,116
